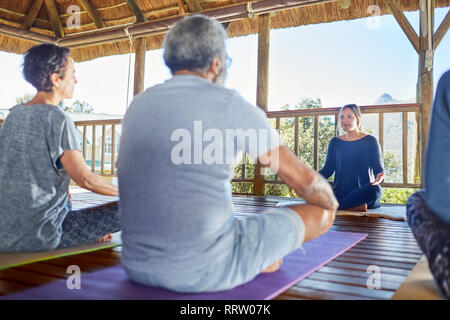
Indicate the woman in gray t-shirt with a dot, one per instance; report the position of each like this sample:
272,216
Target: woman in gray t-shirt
39,154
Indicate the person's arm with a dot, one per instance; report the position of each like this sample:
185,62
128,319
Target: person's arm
306,182
75,166
377,163
330,161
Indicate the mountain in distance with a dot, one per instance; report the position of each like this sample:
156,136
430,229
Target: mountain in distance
386,98
392,125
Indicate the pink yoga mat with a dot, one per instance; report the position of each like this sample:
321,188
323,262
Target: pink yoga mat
113,284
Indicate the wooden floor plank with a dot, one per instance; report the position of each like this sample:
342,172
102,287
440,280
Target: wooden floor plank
345,289
303,293
356,281
361,273
364,267
390,245
7,287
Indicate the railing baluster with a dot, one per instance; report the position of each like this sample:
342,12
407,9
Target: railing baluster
417,147
296,136
405,146
316,142
277,127
381,131
336,120
102,170
244,165
113,147
84,141
93,149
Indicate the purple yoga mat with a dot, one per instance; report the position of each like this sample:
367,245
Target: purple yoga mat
112,283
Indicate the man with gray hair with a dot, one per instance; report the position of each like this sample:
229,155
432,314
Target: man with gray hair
179,230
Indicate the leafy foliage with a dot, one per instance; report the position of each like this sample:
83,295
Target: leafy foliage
77,106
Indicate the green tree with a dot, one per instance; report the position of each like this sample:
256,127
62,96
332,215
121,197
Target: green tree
25,98
77,106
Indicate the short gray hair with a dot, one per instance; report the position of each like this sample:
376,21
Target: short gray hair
193,42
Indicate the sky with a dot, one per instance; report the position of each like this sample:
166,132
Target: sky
340,62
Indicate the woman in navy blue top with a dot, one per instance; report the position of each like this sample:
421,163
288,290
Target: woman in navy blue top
356,160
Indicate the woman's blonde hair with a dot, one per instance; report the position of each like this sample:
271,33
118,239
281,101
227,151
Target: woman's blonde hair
356,110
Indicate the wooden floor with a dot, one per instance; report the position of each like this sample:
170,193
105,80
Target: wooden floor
390,246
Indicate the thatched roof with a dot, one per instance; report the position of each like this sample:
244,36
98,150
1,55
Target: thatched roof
32,17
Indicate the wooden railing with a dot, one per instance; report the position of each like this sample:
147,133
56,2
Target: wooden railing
381,110
95,150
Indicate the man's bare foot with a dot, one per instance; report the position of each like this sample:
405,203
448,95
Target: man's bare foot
273,267
106,238
361,208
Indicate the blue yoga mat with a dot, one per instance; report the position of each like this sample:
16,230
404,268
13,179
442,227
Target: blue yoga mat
112,283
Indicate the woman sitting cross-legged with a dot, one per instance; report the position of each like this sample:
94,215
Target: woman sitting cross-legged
355,159
39,154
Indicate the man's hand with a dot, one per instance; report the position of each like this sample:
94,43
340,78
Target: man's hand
320,193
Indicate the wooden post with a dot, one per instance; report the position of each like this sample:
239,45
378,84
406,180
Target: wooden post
139,66
262,86
425,81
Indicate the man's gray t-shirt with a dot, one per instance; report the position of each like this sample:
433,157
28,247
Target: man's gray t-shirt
175,167
33,183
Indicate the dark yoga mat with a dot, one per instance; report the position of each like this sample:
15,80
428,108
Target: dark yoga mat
112,283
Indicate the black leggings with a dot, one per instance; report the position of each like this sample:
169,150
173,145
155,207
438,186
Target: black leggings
433,237
87,225
369,194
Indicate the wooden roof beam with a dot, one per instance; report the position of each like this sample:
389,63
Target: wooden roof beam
441,31
93,14
53,14
194,5
136,11
181,8
160,26
32,14
404,23
25,34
